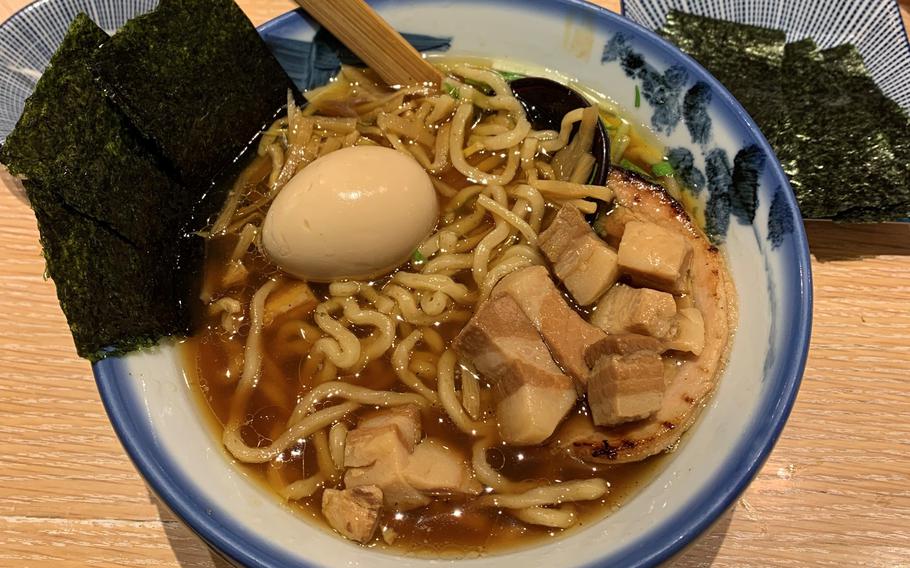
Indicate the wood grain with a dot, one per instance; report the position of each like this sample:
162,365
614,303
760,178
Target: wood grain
835,491
377,43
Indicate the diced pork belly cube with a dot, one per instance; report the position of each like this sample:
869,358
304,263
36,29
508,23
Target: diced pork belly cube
293,295
623,388
532,394
365,446
568,225
437,469
382,433
636,310
353,512
622,344
530,414
655,257
564,331
378,455
388,473
588,268
581,260
406,418
690,332
611,226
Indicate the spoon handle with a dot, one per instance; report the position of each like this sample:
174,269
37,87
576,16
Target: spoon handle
372,39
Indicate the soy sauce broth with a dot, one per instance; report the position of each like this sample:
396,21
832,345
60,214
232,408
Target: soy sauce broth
448,526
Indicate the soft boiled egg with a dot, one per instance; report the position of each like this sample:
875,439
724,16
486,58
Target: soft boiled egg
355,213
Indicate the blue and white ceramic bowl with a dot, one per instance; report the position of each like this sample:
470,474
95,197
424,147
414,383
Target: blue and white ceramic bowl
714,142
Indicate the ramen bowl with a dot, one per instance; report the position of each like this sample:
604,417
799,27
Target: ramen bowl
739,192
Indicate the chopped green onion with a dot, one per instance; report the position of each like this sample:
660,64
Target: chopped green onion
662,169
626,164
509,76
451,89
417,257
637,97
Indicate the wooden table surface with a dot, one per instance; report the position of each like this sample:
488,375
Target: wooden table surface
835,491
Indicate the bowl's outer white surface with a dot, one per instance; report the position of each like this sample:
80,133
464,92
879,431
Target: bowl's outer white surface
161,425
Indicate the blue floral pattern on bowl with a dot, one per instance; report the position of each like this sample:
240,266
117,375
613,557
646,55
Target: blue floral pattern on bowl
738,189
732,191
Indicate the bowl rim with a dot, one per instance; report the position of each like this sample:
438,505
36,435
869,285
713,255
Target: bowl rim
229,537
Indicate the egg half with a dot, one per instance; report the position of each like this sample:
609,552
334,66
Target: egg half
355,213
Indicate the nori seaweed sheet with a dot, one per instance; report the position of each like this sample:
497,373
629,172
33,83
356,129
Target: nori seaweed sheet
846,146
93,189
117,297
842,142
72,140
161,68
184,91
746,59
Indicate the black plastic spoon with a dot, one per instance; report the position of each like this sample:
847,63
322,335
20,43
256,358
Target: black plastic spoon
547,102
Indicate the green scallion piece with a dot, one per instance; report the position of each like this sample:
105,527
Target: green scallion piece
417,257
662,169
451,89
509,76
637,97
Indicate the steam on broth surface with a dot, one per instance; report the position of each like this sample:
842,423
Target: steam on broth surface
391,407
